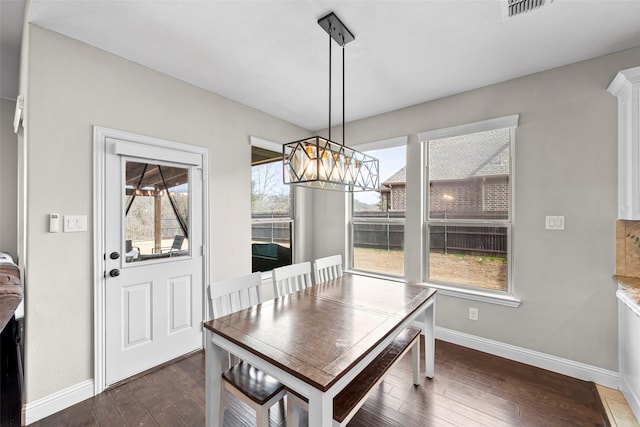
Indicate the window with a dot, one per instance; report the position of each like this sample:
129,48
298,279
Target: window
156,211
377,219
469,197
271,209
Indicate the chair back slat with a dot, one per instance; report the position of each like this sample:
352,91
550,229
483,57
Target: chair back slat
327,268
231,295
291,278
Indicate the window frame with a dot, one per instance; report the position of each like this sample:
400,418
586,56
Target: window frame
472,292
291,220
349,250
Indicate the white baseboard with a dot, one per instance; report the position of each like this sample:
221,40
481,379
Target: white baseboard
42,408
631,397
556,364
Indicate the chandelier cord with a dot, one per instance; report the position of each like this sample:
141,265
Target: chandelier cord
343,142
330,85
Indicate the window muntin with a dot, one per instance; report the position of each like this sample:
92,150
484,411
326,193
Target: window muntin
377,217
271,212
469,209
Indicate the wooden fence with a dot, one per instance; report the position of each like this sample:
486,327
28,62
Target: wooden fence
445,238
454,239
277,232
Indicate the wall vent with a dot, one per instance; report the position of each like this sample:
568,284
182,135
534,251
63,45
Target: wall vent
518,7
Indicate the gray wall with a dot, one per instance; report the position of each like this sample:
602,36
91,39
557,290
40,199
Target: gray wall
8,178
71,87
565,164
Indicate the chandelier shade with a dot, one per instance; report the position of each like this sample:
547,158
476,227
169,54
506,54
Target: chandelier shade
320,163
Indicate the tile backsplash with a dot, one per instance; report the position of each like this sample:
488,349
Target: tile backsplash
627,252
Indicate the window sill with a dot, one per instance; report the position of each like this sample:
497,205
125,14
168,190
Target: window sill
376,275
476,295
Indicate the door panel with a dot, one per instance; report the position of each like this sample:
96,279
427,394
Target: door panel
181,309
154,282
136,303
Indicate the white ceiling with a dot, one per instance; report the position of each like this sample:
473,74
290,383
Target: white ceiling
272,55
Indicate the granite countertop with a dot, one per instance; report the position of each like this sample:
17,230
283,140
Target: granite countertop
632,287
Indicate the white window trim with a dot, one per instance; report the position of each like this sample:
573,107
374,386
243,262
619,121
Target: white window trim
500,298
467,128
382,144
506,298
255,141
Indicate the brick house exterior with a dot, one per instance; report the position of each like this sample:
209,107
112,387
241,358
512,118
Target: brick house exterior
471,175
393,192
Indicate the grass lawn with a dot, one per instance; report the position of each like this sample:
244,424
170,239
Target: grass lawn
484,272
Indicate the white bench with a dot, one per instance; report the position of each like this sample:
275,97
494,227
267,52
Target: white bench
352,397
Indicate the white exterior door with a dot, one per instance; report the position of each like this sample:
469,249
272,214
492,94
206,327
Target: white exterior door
153,240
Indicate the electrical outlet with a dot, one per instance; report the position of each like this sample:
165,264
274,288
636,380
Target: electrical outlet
473,313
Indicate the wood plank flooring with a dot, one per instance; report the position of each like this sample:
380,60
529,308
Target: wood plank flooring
470,388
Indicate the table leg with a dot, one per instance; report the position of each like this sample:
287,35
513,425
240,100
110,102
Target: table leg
320,410
213,382
415,355
429,339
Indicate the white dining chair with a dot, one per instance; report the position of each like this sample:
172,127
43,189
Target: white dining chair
327,268
255,388
291,278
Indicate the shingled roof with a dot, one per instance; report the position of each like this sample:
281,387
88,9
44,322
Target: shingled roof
467,156
399,177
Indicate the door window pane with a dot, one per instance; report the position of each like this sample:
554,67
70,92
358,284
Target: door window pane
156,212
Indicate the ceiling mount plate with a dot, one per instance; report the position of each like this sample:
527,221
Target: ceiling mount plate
336,29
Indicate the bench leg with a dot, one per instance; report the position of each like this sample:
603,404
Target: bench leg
223,396
295,406
415,353
293,413
262,416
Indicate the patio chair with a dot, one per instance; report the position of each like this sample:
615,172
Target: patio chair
255,388
174,249
176,246
327,268
291,278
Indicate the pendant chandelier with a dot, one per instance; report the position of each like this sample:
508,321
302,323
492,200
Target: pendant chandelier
320,162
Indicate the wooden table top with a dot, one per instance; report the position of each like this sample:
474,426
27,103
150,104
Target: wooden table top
320,333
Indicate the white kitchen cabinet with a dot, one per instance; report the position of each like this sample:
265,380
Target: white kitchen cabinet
626,87
629,342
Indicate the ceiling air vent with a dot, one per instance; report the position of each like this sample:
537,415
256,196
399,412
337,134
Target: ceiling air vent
518,7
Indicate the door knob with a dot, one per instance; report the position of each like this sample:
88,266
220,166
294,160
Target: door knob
114,255
114,273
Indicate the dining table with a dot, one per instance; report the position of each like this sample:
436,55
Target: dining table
316,341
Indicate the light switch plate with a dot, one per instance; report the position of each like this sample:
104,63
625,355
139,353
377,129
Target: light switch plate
75,223
555,222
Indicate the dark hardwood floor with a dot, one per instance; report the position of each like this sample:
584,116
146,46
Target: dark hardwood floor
470,388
